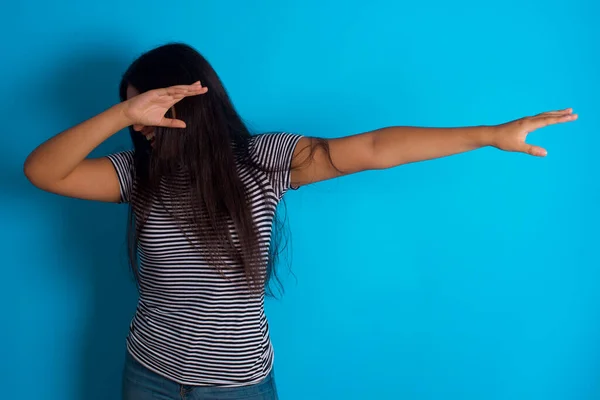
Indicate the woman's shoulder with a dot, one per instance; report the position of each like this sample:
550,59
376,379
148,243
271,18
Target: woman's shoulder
268,142
122,158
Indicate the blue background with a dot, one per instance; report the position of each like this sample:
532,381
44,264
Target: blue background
472,277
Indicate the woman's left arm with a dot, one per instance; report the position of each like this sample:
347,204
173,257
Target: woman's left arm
393,146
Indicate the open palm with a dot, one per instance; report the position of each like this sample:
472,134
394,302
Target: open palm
149,108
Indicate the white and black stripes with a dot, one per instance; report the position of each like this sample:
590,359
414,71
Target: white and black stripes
194,324
123,163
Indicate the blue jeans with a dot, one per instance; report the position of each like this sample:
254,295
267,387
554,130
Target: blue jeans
139,383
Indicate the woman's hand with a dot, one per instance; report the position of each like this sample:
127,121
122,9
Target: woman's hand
149,108
511,136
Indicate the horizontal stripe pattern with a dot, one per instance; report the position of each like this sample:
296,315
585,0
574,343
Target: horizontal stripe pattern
194,324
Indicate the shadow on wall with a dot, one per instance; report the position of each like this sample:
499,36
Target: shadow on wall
89,236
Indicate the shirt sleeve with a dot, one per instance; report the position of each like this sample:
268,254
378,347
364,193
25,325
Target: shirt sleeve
274,152
123,163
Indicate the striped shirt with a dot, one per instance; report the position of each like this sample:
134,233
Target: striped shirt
194,324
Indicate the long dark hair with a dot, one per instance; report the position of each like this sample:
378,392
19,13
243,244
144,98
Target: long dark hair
205,155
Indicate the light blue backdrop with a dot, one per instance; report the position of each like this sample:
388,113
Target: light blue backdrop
468,278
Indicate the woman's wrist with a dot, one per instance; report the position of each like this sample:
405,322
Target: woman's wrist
482,136
120,114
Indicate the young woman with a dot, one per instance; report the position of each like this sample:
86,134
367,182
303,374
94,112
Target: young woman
202,193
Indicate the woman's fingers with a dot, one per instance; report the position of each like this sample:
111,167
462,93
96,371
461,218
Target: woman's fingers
172,123
175,94
550,118
200,90
566,111
185,90
532,150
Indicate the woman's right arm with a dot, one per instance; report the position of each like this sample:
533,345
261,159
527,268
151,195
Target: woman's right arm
60,165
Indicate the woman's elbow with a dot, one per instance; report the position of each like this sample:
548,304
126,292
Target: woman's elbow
34,173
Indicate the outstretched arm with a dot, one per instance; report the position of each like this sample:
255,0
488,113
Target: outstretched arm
393,146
